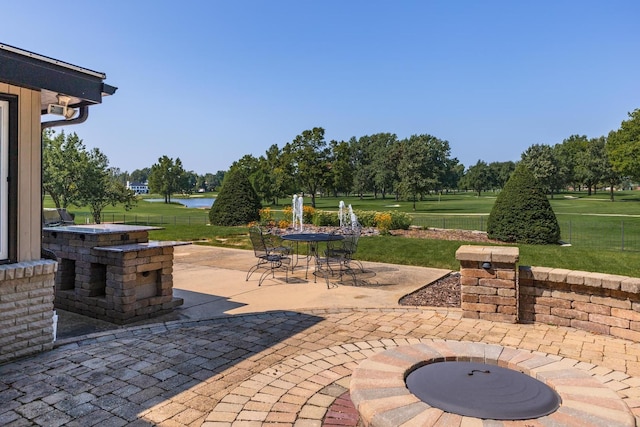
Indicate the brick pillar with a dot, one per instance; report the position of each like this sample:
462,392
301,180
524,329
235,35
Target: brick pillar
26,308
489,282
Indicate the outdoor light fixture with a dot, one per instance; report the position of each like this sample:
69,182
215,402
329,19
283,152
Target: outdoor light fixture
62,107
486,265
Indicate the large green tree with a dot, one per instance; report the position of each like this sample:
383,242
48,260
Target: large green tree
592,164
270,176
74,176
623,147
423,165
62,166
500,173
570,155
210,182
100,187
384,162
341,171
363,164
167,177
478,177
544,165
140,175
309,155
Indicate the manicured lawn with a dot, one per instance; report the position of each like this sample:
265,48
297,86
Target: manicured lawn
597,228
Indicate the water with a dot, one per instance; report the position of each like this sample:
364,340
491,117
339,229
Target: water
196,202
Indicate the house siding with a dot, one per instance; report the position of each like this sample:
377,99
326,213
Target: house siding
29,173
27,286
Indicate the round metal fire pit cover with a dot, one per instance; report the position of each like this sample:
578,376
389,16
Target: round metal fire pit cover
482,391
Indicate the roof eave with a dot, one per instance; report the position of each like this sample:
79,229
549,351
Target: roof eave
26,69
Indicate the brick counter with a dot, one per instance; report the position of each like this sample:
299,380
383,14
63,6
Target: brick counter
112,272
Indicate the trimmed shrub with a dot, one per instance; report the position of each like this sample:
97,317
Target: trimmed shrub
400,220
522,213
326,219
366,218
237,202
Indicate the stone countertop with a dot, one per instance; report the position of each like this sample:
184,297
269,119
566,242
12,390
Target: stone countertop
100,228
139,246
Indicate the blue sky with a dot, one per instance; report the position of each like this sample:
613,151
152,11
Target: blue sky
210,81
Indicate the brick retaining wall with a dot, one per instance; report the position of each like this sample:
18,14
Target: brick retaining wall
595,302
600,303
26,308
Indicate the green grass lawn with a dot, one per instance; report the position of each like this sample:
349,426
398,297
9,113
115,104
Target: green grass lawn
595,226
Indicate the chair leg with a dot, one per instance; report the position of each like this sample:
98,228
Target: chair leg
358,263
350,271
273,266
263,276
252,270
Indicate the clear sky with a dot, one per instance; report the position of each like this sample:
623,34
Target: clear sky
210,81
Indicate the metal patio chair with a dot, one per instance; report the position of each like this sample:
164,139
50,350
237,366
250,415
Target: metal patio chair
338,257
347,247
333,265
268,257
277,245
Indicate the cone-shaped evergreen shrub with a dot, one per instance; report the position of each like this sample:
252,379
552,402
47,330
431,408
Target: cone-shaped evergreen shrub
522,213
237,202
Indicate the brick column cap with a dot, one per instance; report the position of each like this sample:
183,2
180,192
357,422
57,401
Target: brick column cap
503,254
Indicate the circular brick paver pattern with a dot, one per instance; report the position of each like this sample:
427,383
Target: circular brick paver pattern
285,369
379,391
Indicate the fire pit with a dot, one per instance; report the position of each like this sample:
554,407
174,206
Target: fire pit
482,391
380,388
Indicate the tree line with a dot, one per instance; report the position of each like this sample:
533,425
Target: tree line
379,164
410,168
168,176
74,175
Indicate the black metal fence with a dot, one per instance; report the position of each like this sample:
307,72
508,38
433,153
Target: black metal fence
603,233
153,220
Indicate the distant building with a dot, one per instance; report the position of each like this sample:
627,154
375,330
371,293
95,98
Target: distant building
138,187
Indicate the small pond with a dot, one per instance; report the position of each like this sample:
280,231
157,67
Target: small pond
195,202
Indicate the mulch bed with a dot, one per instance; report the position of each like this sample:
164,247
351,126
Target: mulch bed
441,293
446,291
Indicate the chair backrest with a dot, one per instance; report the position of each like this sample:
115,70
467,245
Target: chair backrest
66,217
350,242
258,243
51,218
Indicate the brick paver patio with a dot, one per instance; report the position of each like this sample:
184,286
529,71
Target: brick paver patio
277,368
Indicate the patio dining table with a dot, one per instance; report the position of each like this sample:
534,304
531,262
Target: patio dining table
312,240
